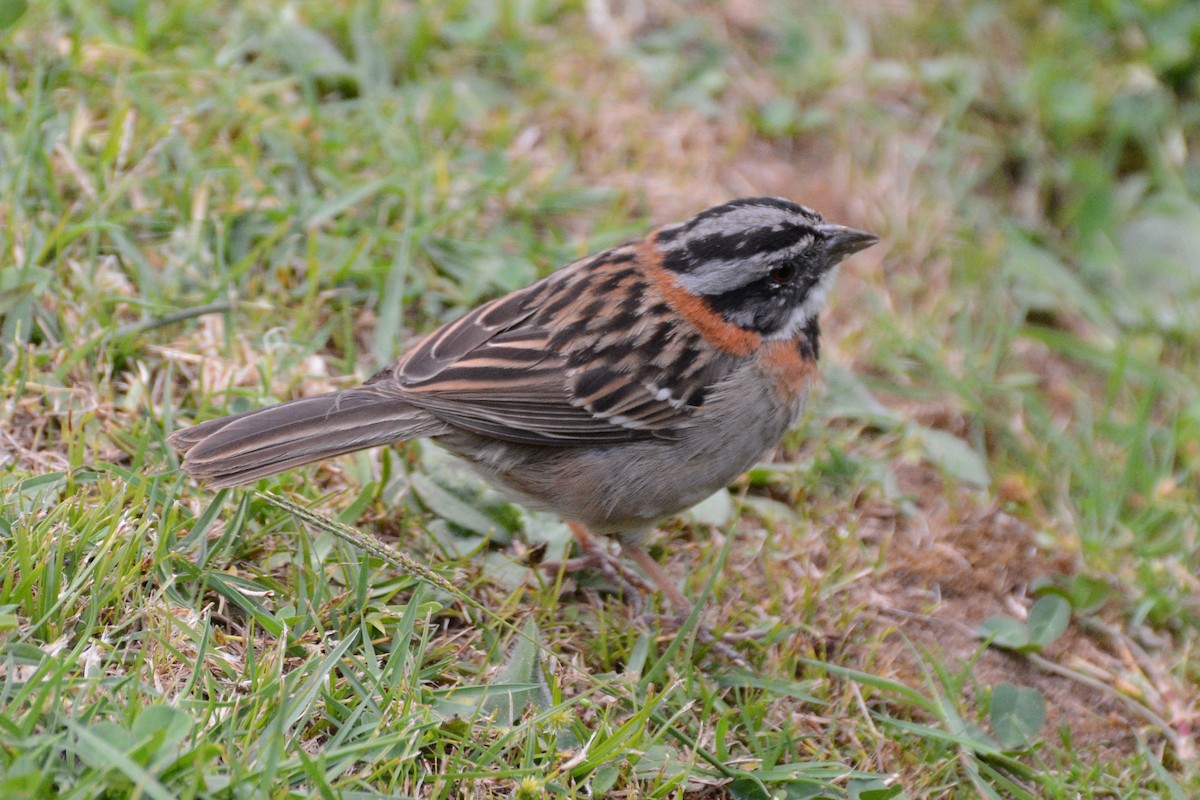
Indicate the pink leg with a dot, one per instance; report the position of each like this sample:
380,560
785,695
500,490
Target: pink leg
593,555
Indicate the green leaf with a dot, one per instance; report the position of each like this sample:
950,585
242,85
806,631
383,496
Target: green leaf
716,510
309,53
604,778
1042,282
519,684
747,789
954,456
807,790
169,723
11,12
1087,594
451,507
452,491
1005,632
659,761
548,530
1017,715
873,789
105,746
846,397
1048,619
1159,279
111,734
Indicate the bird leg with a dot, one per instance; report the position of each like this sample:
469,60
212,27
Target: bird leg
676,598
683,607
593,555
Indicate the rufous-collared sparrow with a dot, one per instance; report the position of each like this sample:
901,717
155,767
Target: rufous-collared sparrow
620,390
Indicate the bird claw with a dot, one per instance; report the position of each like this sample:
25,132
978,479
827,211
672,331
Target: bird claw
632,585
594,556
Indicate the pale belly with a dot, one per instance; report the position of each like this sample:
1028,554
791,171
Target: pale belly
625,489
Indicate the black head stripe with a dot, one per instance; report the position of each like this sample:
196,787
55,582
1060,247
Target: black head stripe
748,243
739,229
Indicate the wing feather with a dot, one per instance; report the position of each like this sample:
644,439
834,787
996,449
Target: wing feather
549,365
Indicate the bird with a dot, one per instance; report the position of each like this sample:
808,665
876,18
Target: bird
615,392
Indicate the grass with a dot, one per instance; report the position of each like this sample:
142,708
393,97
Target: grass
208,206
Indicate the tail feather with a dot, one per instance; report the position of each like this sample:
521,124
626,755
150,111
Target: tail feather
243,447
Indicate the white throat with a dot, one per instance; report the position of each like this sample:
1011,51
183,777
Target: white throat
811,306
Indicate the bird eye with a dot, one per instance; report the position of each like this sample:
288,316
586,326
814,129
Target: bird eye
782,274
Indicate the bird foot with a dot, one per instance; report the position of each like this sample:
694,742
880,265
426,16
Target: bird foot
594,556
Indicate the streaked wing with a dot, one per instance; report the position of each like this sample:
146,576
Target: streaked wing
561,363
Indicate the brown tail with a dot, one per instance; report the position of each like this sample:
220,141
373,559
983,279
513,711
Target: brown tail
240,448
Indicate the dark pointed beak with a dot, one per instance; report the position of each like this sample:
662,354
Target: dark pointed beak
841,241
